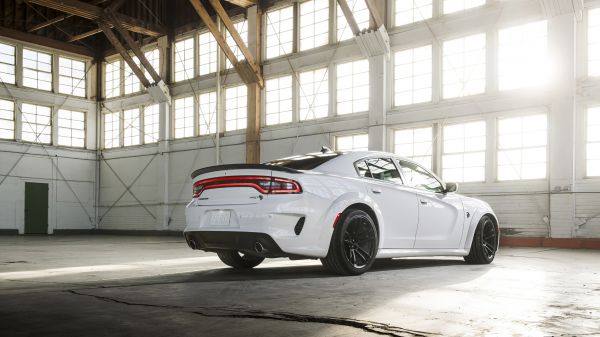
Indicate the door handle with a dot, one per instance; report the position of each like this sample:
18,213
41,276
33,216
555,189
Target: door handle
423,202
376,191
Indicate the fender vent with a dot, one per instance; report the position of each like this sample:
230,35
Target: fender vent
299,226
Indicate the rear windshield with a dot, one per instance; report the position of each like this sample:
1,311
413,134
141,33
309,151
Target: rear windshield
305,161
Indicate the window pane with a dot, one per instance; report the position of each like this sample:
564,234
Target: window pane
183,56
412,76
451,6
278,94
242,29
36,123
153,56
361,15
415,144
208,53
358,142
352,87
314,94
37,69
464,66
184,117
463,158
112,124
522,56
236,102
522,147
314,24
418,177
112,82
131,127
208,113
280,32
71,128
132,82
7,119
151,123
410,11
7,63
383,169
71,77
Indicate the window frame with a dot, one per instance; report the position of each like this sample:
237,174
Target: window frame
22,67
390,158
58,127
433,175
84,79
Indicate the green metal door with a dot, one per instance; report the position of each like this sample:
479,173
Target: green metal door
36,208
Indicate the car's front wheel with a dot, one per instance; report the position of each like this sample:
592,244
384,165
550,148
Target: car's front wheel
238,260
354,244
485,242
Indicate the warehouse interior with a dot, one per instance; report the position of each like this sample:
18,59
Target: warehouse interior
108,106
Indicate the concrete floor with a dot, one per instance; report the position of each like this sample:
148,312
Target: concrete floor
157,286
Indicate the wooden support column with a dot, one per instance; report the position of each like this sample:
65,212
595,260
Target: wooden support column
254,89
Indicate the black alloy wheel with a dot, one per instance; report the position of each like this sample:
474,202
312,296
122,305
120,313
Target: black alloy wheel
485,242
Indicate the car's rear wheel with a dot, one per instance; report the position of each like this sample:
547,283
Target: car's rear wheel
237,260
353,245
485,242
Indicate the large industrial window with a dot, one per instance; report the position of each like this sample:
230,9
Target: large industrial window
236,104
7,119
522,147
207,103
131,127
412,76
7,63
184,117
463,158
71,128
451,6
280,32
37,69
278,96
151,123
593,42
184,59
415,144
207,60
464,66
132,82
361,15
112,83
314,94
314,24
522,56
410,11
242,29
358,142
36,123
352,87
112,125
153,56
71,77
593,142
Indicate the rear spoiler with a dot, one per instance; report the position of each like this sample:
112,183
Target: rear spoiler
242,167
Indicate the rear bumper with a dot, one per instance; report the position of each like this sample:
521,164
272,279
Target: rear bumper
259,244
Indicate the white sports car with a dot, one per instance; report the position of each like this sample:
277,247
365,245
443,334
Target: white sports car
345,208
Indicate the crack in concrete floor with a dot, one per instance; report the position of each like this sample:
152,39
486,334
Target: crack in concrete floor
229,312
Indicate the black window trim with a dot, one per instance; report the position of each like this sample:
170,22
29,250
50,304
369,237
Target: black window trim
364,159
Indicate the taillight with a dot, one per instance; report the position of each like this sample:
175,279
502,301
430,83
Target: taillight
264,185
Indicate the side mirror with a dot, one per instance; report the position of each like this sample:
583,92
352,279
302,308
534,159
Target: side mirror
451,187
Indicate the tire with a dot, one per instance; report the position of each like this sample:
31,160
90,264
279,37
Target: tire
237,260
354,244
485,242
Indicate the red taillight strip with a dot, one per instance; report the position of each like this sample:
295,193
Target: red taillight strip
247,181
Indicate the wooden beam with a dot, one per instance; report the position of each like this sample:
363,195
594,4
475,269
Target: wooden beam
212,27
238,39
44,41
349,17
57,19
243,3
114,40
374,11
84,35
94,13
132,44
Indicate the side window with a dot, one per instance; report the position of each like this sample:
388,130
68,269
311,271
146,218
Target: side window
383,169
363,170
418,177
